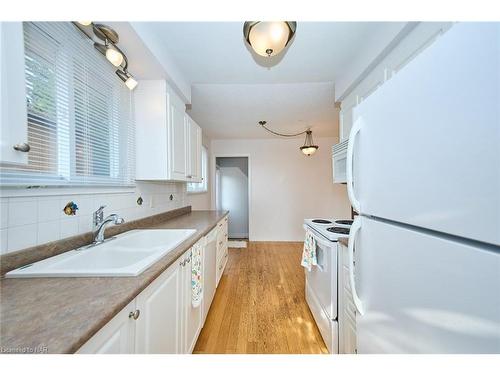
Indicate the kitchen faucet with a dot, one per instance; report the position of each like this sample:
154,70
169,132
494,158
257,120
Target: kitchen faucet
100,224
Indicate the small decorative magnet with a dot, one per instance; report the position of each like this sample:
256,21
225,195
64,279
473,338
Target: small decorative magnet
70,208
139,201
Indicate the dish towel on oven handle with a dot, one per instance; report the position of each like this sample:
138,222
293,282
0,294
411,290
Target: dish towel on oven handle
309,258
196,279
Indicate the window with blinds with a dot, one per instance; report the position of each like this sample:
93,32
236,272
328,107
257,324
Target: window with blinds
80,120
201,187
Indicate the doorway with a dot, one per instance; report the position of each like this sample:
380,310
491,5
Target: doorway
231,193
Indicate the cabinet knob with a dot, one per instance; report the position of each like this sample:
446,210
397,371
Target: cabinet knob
23,147
134,314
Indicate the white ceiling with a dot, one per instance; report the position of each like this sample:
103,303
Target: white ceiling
234,110
232,88
215,52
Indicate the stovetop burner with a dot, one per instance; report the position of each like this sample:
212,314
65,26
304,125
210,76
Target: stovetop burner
321,221
344,222
338,230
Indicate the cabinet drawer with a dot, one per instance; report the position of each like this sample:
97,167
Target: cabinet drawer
221,265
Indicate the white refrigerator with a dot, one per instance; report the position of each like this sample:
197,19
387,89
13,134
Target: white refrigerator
423,171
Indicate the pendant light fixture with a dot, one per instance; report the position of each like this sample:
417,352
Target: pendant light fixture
307,149
269,38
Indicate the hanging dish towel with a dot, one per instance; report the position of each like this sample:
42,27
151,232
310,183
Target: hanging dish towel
196,281
309,253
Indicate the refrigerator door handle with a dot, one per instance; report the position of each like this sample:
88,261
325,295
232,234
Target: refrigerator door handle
356,127
355,227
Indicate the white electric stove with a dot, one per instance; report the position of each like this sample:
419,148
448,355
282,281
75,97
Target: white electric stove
331,229
322,280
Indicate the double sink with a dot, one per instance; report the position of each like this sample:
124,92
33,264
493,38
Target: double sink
128,254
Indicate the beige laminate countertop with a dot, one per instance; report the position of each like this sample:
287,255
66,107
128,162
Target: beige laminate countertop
61,314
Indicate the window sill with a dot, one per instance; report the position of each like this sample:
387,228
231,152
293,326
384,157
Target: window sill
197,192
6,191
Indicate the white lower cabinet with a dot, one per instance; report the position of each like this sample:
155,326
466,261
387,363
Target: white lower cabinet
222,248
158,327
162,318
192,316
347,310
209,270
116,337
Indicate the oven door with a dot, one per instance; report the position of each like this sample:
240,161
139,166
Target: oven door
322,279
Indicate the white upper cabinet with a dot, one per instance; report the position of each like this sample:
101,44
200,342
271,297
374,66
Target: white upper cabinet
160,133
193,150
14,145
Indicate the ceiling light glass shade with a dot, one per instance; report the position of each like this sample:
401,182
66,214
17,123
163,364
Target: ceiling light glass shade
126,77
84,23
309,147
309,150
131,83
114,57
269,38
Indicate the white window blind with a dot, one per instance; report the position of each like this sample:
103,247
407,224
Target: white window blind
80,120
201,187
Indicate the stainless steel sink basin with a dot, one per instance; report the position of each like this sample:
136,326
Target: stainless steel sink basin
128,254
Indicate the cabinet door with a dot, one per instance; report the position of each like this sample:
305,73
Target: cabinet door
209,267
13,111
159,322
192,318
177,137
116,337
347,310
193,150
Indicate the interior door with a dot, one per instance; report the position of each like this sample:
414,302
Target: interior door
427,151
424,294
158,329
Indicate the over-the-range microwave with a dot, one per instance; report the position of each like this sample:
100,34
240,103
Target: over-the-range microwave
339,159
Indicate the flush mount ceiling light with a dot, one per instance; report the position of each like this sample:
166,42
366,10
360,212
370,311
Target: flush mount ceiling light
269,38
109,49
308,148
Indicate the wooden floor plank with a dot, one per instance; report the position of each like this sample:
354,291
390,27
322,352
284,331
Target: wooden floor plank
260,306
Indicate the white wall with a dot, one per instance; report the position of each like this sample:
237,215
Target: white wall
286,186
38,218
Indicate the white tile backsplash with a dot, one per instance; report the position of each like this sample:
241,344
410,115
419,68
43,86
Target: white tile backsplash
49,209
21,237
4,209
49,231
69,226
22,211
3,241
35,220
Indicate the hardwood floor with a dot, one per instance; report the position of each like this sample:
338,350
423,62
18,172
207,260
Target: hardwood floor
259,306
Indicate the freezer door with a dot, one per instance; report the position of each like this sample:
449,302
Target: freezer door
428,148
424,294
